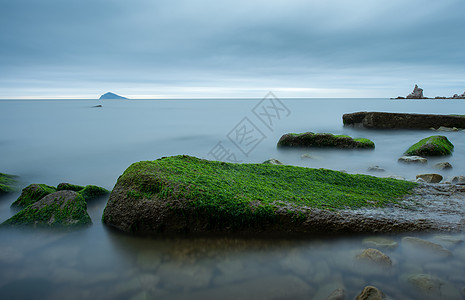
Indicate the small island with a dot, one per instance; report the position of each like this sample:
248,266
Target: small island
110,95
417,93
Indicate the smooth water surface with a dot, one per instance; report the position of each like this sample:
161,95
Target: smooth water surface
51,141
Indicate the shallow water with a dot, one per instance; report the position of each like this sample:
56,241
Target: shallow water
69,141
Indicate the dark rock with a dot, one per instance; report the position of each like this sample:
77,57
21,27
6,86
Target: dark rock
384,120
110,95
436,145
310,139
417,93
443,166
371,293
272,161
97,106
430,178
33,193
60,209
8,183
90,192
412,160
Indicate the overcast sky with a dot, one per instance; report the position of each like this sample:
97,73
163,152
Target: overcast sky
200,48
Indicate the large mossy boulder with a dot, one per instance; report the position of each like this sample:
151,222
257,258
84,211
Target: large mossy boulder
33,193
8,183
310,139
59,209
436,145
184,194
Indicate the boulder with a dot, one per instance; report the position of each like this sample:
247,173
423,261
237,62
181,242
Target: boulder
184,194
33,193
384,120
412,159
443,166
8,183
371,293
59,209
272,161
430,178
436,145
376,257
417,93
310,139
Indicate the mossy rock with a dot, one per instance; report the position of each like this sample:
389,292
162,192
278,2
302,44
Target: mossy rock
33,193
188,194
436,145
59,209
8,183
310,139
69,187
90,192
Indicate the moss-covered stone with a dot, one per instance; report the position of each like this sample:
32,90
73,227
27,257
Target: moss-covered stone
436,145
90,192
310,139
187,194
69,187
32,193
8,183
62,208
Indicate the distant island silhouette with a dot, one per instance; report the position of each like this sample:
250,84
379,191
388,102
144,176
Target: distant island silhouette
110,95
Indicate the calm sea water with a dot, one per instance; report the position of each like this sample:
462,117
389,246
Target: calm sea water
53,141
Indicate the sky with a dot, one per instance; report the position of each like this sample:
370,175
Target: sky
233,49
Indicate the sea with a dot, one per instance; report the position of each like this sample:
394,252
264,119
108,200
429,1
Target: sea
93,141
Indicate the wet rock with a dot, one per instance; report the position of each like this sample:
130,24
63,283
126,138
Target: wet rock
426,283
436,145
430,178
371,293
448,239
443,166
396,177
60,209
272,161
383,120
319,140
412,159
417,93
338,294
376,169
376,257
380,242
458,179
448,129
426,245
8,183
33,193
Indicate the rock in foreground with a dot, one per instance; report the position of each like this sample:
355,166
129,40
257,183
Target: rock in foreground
310,139
184,194
384,120
59,209
436,145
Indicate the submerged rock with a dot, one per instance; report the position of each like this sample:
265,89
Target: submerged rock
443,166
376,257
384,120
426,245
33,193
430,178
380,242
376,169
310,139
426,283
8,183
436,145
59,209
371,293
458,179
412,159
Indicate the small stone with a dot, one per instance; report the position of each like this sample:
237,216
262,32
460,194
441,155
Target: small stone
338,294
458,179
272,161
376,169
443,166
380,242
375,256
371,293
412,160
426,245
430,178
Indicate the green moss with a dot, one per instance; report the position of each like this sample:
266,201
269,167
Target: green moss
62,211
310,139
8,183
436,145
69,187
248,194
33,193
92,191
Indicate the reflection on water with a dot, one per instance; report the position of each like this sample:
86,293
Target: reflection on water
109,265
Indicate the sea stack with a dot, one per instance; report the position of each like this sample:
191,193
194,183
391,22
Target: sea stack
110,95
416,94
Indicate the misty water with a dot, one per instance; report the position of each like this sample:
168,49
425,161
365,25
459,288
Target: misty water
54,141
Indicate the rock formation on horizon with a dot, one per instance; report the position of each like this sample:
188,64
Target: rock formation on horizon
110,95
416,94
